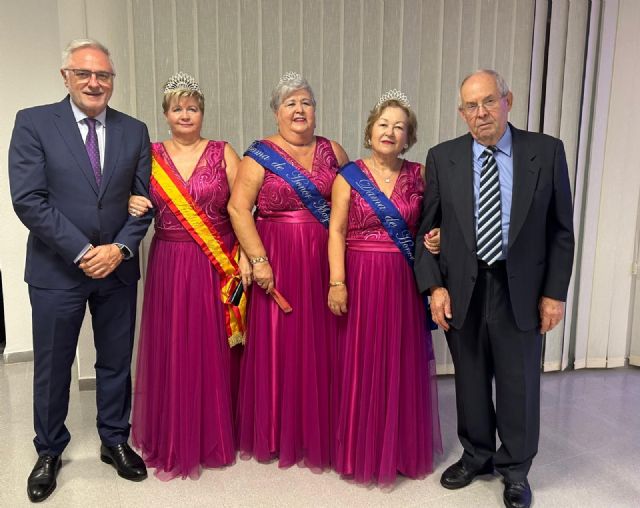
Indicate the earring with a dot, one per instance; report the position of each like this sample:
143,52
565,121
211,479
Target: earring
406,145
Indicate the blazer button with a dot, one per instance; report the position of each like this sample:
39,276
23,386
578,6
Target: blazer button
99,205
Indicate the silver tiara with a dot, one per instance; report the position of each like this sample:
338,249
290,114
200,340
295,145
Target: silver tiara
289,77
395,95
182,81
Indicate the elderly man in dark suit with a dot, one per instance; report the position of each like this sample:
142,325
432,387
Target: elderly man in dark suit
502,199
72,168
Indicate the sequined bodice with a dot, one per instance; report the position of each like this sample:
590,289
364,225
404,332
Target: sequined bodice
277,196
208,186
364,224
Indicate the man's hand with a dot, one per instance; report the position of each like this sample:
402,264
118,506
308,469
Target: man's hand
551,312
100,261
440,307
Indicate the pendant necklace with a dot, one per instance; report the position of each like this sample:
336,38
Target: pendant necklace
386,179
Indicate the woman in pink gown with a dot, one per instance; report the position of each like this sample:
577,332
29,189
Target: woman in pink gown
387,408
283,402
186,375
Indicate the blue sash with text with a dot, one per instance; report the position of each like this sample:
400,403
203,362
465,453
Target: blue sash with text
304,188
383,207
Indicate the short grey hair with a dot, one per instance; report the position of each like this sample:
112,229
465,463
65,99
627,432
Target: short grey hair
77,44
501,83
286,87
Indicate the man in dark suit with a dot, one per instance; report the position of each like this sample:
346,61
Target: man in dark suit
502,199
72,168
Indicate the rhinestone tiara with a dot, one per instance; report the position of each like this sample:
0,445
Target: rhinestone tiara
288,77
182,81
395,95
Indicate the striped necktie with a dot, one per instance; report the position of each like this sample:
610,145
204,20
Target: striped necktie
489,239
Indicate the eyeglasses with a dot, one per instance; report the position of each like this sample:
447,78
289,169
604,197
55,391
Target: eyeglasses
103,77
490,104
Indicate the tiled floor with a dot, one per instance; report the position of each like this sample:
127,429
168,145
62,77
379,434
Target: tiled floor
589,457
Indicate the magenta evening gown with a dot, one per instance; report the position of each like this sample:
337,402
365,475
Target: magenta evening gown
186,375
387,411
283,403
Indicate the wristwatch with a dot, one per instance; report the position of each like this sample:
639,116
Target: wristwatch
123,250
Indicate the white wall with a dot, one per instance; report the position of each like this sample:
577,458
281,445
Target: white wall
30,60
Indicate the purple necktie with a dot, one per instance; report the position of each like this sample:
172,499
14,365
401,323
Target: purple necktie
93,150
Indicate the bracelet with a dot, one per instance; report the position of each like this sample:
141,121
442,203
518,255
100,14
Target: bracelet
335,283
259,259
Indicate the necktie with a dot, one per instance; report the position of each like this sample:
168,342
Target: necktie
489,240
93,150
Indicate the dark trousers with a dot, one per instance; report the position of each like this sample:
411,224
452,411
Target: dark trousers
490,346
57,316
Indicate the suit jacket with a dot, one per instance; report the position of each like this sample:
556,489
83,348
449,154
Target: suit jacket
55,194
541,243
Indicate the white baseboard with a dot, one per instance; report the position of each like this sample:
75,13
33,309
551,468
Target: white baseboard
87,384
18,357
551,366
445,369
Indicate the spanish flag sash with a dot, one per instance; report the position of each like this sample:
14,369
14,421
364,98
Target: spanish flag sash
199,226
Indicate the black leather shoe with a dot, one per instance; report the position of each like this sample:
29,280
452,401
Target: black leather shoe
517,494
460,475
127,462
42,480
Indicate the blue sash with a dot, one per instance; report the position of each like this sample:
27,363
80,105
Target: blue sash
383,207
304,188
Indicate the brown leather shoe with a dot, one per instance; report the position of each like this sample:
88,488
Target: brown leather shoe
459,475
42,480
517,494
127,462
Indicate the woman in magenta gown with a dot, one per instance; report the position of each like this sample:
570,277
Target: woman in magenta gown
186,375
283,402
387,416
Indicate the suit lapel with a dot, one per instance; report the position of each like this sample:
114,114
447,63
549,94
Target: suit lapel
461,179
525,178
68,128
113,142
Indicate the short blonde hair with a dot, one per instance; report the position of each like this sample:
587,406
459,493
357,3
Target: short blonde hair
175,95
376,112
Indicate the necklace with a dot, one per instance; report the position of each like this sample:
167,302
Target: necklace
386,179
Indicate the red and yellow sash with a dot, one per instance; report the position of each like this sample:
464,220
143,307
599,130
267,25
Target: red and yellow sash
199,226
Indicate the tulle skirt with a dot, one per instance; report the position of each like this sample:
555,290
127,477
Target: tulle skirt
283,403
186,376
387,410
